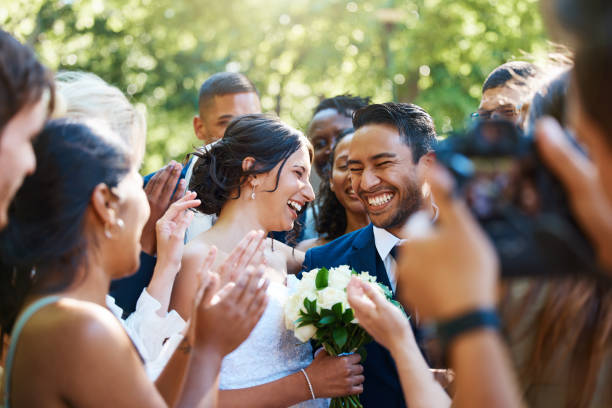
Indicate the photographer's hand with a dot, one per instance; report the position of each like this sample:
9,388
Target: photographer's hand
451,269
587,197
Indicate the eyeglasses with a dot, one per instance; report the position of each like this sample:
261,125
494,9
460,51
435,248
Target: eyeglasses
510,112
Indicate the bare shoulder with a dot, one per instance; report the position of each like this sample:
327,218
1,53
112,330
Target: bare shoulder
71,323
196,248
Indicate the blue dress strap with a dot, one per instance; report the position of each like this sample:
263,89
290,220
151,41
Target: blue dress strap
23,318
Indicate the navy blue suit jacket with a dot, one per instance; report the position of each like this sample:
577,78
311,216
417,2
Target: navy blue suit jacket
382,387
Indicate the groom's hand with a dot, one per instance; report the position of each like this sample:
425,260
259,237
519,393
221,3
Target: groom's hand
335,376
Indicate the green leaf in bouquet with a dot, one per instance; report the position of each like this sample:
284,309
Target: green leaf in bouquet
354,272
327,320
322,279
386,290
348,316
337,309
340,336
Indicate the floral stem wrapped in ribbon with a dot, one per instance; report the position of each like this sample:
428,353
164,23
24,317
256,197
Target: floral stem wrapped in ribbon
319,310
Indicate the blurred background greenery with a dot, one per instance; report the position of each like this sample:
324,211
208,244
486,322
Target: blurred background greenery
435,53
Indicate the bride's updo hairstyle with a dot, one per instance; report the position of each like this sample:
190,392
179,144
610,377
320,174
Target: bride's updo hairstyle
44,243
218,175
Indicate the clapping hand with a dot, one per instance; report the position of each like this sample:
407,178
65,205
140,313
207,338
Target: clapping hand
249,252
170,230
223,319
161,191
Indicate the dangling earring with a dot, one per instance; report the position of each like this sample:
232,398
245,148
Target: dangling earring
253,193
107,232
107,229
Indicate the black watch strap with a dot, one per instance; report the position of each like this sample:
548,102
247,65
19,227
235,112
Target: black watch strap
449,330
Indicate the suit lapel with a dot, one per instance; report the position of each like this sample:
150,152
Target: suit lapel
365,256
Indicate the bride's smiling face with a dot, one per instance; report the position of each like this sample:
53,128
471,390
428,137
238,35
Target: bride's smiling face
279,206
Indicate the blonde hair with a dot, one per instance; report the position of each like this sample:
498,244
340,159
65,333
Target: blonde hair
87,96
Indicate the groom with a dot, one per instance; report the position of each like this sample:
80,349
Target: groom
392,145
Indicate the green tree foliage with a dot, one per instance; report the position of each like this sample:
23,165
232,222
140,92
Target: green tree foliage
435,53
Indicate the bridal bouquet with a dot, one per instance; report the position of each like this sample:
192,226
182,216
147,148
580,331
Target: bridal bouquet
319,310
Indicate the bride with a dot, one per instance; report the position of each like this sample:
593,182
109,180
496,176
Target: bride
256,178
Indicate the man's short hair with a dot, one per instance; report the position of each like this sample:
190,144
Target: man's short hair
345,104
415,126
520,72
223,83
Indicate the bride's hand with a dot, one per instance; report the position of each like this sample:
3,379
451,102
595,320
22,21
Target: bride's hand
335,376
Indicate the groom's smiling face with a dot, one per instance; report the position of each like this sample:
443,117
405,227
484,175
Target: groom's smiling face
384,175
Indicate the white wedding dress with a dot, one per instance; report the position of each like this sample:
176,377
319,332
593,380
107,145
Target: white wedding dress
269,353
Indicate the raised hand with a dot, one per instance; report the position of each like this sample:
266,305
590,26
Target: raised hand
335,376
386,323
223,319
581,179
249,252
451,268
170,230
159,191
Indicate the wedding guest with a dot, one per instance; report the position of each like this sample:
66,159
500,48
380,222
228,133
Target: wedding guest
558,366
464,280
391,146
330,118
26,101
339,210
507,91
257,178
87,96
223,96
86,235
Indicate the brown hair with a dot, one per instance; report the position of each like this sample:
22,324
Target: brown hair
23,79
573,324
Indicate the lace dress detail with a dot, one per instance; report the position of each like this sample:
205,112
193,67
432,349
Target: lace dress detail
271,352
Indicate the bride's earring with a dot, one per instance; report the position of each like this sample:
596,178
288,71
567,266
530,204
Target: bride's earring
253,193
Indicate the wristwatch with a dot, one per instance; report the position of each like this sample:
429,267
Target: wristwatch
448,330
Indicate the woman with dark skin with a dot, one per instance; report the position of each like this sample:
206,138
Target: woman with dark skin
340,210
66,252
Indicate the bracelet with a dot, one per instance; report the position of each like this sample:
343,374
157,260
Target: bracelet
309,384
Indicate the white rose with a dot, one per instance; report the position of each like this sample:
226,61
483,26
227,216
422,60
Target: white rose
292,311
366,277
308,281
330,296
305,333
294,304
339,277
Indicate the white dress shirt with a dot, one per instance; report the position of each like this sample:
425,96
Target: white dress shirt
384,242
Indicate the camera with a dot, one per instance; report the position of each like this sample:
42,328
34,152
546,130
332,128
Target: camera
517,200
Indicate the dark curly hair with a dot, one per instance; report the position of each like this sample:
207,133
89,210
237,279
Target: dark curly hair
218,175
331,218
344,104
